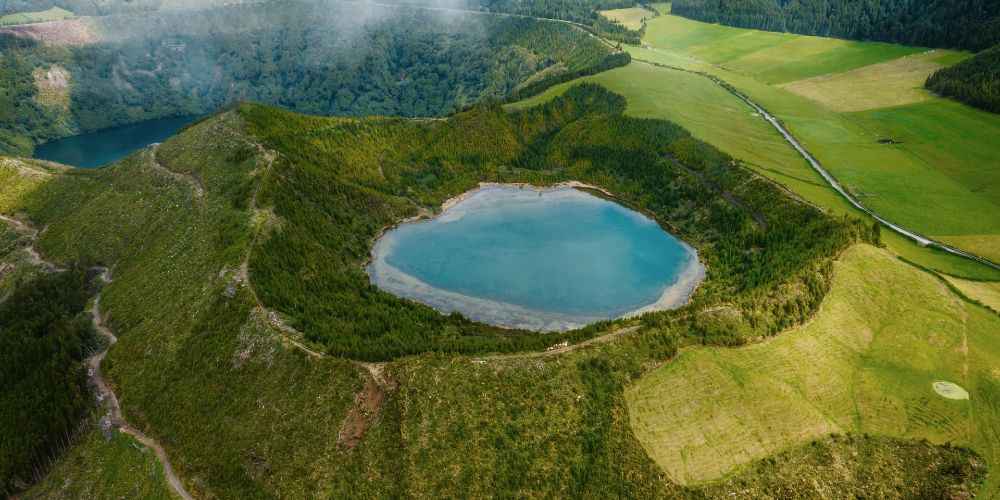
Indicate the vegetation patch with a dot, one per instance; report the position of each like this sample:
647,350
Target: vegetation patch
986,292
855,466
103,465
855,368
44,339
975,81
892,83
53,86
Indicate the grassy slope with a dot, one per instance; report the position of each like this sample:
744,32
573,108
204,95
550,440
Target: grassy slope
910,183
865,364
985,292
773,58
893,83
100,467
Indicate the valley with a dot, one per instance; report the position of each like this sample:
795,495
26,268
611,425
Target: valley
254,350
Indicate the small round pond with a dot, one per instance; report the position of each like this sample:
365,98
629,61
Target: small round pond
538,259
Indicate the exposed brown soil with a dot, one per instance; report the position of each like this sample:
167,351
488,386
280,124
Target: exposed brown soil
365,412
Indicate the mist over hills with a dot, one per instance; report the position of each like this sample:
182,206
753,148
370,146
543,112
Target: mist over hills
314,57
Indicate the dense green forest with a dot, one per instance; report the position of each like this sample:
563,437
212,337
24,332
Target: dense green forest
44,338
338,184
974,81
962,24
304,56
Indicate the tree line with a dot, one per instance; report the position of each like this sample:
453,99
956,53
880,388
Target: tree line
975,81
960,24
45,335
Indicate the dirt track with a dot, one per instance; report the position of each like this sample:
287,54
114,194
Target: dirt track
107,397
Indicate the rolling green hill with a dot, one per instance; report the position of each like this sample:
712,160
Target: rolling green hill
253,351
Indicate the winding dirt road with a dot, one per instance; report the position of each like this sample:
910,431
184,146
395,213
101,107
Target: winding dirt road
105,396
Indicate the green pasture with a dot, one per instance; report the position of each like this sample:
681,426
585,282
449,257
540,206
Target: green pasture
937,178
894,83
864,365
717,117
768,56
52,14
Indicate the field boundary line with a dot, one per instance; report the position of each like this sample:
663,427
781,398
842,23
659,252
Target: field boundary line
916,237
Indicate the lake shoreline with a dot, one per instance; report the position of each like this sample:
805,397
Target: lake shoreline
512,316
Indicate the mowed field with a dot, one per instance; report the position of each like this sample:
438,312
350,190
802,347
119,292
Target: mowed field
866,364
630,18
986,292
846,101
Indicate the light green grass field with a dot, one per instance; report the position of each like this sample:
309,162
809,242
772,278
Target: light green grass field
53,14
937,180
893,83
865,364
630,18
985,292
770,57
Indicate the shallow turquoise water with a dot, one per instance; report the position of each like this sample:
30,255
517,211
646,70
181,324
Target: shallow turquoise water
563,256
110,145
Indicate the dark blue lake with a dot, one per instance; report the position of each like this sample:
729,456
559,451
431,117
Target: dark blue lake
537,259
106,146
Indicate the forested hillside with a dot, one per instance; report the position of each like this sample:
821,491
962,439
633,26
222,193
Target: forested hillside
44,338
309,57
963,24
373,173
975,81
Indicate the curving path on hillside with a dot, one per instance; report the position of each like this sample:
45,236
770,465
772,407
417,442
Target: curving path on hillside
113,418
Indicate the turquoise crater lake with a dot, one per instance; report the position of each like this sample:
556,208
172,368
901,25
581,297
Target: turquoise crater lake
538,259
